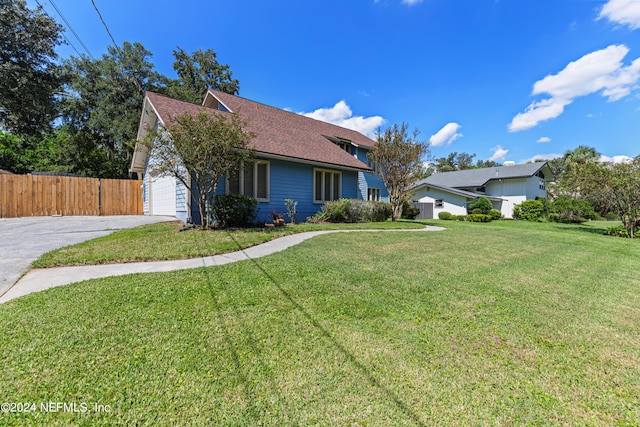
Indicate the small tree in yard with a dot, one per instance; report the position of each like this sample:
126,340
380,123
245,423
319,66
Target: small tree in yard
616,184
198,150
397,158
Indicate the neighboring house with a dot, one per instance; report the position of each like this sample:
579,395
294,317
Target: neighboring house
505,186
297,158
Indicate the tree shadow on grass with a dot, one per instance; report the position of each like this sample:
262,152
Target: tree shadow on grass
251,411
580,228
362,368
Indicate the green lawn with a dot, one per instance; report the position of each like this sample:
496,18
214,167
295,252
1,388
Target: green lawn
165,241
505,323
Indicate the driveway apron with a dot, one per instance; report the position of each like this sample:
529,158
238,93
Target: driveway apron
23,240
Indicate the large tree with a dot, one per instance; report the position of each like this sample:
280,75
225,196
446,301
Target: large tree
198,72
199,150
460,161
615,184
30,79
398,158
570,170
103,111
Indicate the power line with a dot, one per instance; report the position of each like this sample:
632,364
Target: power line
115,45
104,23
63,34
71,28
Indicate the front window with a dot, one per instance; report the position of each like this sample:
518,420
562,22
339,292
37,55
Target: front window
373,194
252,180
439,203
327,185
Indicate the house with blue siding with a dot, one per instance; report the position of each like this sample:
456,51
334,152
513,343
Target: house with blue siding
297,158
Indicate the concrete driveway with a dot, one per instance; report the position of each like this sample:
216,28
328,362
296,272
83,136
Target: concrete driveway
22,240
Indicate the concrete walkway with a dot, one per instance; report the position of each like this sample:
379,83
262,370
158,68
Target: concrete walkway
23,240
40,279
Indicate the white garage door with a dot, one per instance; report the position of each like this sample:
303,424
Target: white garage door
163,196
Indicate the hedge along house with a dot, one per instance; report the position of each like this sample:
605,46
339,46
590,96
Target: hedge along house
297,158
505,186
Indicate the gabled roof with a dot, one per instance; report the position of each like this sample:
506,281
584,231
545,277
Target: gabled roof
480,177
289,134
464,193
279,133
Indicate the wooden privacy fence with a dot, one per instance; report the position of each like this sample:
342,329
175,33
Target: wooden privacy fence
38,195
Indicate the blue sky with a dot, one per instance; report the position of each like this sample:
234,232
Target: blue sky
507,80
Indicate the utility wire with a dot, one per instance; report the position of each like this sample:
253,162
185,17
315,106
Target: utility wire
63,34
104,23
115,45
71,28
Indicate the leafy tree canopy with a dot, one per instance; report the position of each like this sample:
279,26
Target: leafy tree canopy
199,150
459,161
30,80
197,73
397,158
107,94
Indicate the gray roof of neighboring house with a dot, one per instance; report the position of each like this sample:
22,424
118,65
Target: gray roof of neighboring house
463,193
479,177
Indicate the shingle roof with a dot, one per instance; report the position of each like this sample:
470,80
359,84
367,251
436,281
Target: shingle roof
4,172
463,193
278,132
479,177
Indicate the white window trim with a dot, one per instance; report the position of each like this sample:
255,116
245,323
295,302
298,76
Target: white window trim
435,203
378,193
333,173
255,164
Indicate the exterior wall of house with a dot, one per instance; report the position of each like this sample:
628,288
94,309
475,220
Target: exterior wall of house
290,180
162,196
452,203
145,194
181,201
515,191
369,180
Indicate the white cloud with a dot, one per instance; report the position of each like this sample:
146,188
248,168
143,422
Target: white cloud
623,12
411,2
499,153
616,159
538,112
446,135
543,140
341,115
597,71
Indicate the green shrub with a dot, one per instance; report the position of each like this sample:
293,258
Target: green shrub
235,210
381,211
529,210
445,216
612,216
459,217
495,214
565,209
352,210
480,206
408,211
479,218
621,231
338,210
